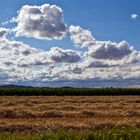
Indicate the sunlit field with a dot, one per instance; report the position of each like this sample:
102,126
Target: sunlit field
31,114
68,113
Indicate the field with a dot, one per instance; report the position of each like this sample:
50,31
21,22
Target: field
34,114
119,134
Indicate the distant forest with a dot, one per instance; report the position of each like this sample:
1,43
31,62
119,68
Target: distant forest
29,91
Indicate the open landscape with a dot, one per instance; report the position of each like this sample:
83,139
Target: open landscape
70,70
31,114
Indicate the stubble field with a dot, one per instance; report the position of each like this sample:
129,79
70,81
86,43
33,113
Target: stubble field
31,114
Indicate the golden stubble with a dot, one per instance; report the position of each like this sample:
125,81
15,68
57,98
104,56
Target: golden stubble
38,113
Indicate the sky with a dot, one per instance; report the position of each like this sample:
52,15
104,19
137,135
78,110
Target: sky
92,43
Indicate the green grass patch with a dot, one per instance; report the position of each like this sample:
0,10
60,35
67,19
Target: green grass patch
117,134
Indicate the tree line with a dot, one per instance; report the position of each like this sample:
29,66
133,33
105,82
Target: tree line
23,91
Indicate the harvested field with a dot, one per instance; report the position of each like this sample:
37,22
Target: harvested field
30,114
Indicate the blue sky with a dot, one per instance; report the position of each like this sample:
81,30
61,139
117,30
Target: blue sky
104,32
108,20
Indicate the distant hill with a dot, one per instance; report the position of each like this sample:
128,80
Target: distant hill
20,86
14,86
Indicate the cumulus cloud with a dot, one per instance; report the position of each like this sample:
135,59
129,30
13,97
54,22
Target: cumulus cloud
93,63
81,37
99,60
109,50
134,16
21,62
12,53
41,22
58,64
132,59
60,55
99,49
3,32
52,57
15,48
102,60
102,53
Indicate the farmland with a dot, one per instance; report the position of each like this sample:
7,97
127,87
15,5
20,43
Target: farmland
70,113
31,114
118,134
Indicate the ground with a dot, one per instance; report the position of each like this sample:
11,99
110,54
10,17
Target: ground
31,114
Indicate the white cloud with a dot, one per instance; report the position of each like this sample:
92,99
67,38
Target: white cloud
134,16
54,57
81,37
99,60
3,32
102,60
102,53
67,56
41,22
20,62
109,50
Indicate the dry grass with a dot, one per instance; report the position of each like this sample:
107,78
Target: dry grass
33,114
